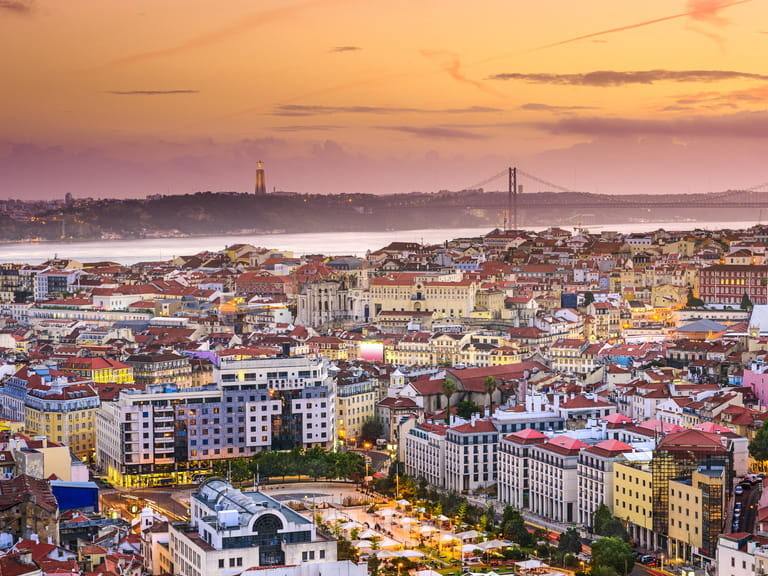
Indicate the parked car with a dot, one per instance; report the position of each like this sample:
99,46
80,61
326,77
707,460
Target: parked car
738,490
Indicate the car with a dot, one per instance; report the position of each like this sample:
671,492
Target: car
647,559
736,513
737,506
738,490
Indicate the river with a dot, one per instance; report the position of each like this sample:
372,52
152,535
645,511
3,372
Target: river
330,243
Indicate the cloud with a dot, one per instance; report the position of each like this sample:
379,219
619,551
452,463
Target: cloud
316,110
345,49
223,34
450,63
436,132
698,10
17,6
617,78
306,128
539,107
752,125
150,92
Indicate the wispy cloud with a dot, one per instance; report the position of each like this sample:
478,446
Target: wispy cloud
345,49
150,92
539,107
225,33
306,128
436,132
315,110
697,10
451,64
17,6
743,125
617,78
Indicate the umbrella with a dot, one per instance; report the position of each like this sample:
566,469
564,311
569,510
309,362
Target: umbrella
363,544
410,554
385,554
403,502
368,534
406,520
427,529
470,548
385,512
349,525
443,518
530,564
491,544
447,538
426,572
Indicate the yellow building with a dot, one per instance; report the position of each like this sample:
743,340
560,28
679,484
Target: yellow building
410,292
696,513
99,370
633,497
355,403
63,411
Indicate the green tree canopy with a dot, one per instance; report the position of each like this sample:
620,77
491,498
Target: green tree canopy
466,408
614,553
588,298
449,389
513,527
490,385
692,301
746,303
758,446
600,517
371,429
569,542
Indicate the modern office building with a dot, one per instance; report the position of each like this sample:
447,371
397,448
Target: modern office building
231,531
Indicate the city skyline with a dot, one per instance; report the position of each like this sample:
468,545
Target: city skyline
335,96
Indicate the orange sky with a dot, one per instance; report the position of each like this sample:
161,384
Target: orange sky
132,98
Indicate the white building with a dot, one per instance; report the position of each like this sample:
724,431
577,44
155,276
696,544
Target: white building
554,485
425,453
595,474
470,455
513,475
230,531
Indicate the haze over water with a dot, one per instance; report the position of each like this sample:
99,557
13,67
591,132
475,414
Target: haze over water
329,243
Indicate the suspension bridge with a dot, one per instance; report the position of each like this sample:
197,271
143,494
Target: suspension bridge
552,195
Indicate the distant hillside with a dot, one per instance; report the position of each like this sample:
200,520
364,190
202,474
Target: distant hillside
208,213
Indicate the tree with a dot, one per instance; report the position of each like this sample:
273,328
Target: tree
588,298
746,303
513,527
371,430
692,301
614,553
466,408
758,446
601,516
490,387
569,542
449,389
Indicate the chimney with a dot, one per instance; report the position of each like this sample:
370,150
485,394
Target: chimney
25,556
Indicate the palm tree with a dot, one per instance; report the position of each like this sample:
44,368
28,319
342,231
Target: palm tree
490,387
449,389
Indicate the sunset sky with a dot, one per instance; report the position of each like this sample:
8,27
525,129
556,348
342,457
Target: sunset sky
129,98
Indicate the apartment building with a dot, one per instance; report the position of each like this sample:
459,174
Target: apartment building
424,451
471,455
355,403
727,283
553,467
166,434
514,467
99,369
595,474
161,368
633,497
